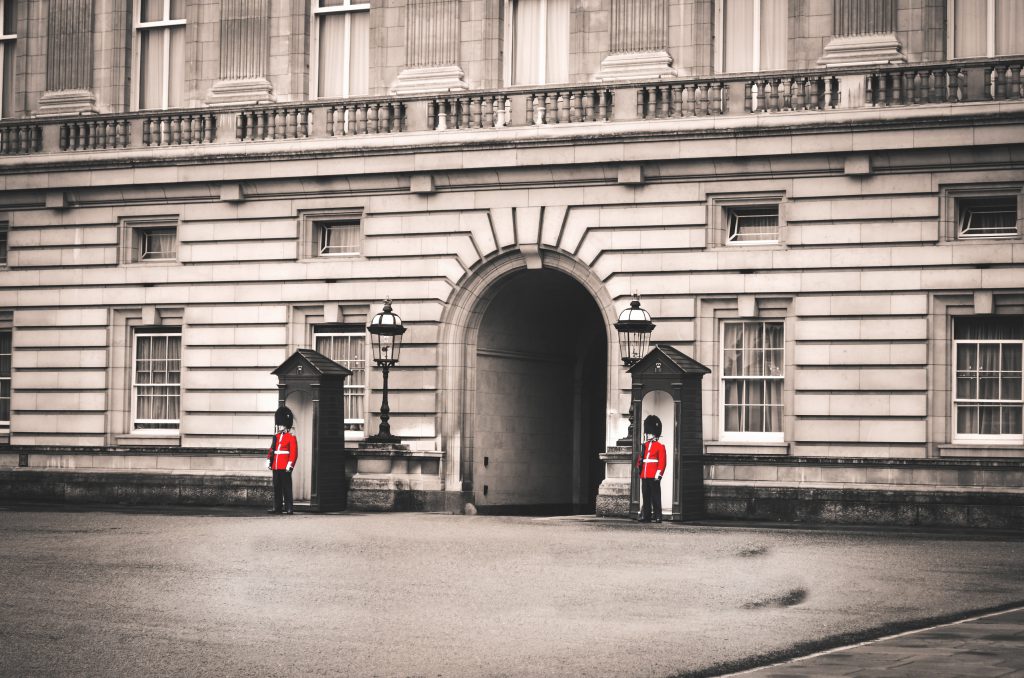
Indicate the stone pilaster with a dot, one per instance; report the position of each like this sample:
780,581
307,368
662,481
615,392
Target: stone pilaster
639,35
432,49
244,49
864,32
69,49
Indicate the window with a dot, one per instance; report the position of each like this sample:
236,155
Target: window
156,382
331,233
538,35
985,28
346,345
8,38
149,239
160,53
752,380
156,243
751,35
987,217
337,238
753,225
987,372
341,48
3,243
5,380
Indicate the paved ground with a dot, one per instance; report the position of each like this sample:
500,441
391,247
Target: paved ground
992,645
126,593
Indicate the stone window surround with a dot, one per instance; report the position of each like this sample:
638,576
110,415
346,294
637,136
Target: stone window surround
710,314
130,230
124,322
949,221
946,307
719,206
309,237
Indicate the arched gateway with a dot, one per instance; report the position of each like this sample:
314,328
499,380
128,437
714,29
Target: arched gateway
525,383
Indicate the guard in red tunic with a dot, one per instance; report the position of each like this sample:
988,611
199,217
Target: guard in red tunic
281,458
651,464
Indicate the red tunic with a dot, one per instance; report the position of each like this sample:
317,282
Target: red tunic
283,450
652,459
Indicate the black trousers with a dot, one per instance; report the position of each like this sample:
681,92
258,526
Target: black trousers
282,486
651,491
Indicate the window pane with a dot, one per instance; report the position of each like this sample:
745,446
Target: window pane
969,26
151,69
989,327
966,387
731,363
1010,386
1011,423
557,42
967,419
987,217
359,55
732,419
176,71
1009,27
526,41
7,103
177,9
967,357
754,225
988,420
738,36
330,74
10,18
774,35
1011,357
152,10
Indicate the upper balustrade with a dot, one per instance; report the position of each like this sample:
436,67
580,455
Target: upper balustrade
732,95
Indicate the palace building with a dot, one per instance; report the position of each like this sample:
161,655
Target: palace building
818,202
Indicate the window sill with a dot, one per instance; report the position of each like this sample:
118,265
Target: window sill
1011,450
770,449
148,440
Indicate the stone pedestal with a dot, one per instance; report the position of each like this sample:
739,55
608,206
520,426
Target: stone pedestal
654,65
863,50
613,494
241,91
392,477
67,102
425,79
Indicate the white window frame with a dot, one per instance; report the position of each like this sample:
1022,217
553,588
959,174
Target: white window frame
5,424
1001,438
136,334
144,236
350,388
990,29
749,436
323,225
961,234
165,25
733,214
316,11
5,38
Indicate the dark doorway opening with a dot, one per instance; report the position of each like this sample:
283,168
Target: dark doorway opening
540,395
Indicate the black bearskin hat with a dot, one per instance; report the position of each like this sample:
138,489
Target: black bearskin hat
652,425
284,417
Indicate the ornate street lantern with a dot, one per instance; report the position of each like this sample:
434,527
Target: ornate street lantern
634,328
386,332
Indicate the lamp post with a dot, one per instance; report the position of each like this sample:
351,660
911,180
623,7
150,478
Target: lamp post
634,328
386,332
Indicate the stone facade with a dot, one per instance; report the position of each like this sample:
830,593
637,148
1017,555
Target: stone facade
510,226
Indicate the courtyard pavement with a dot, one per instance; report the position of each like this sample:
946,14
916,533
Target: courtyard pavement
162,592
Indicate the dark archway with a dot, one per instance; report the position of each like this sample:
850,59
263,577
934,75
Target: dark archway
541,389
